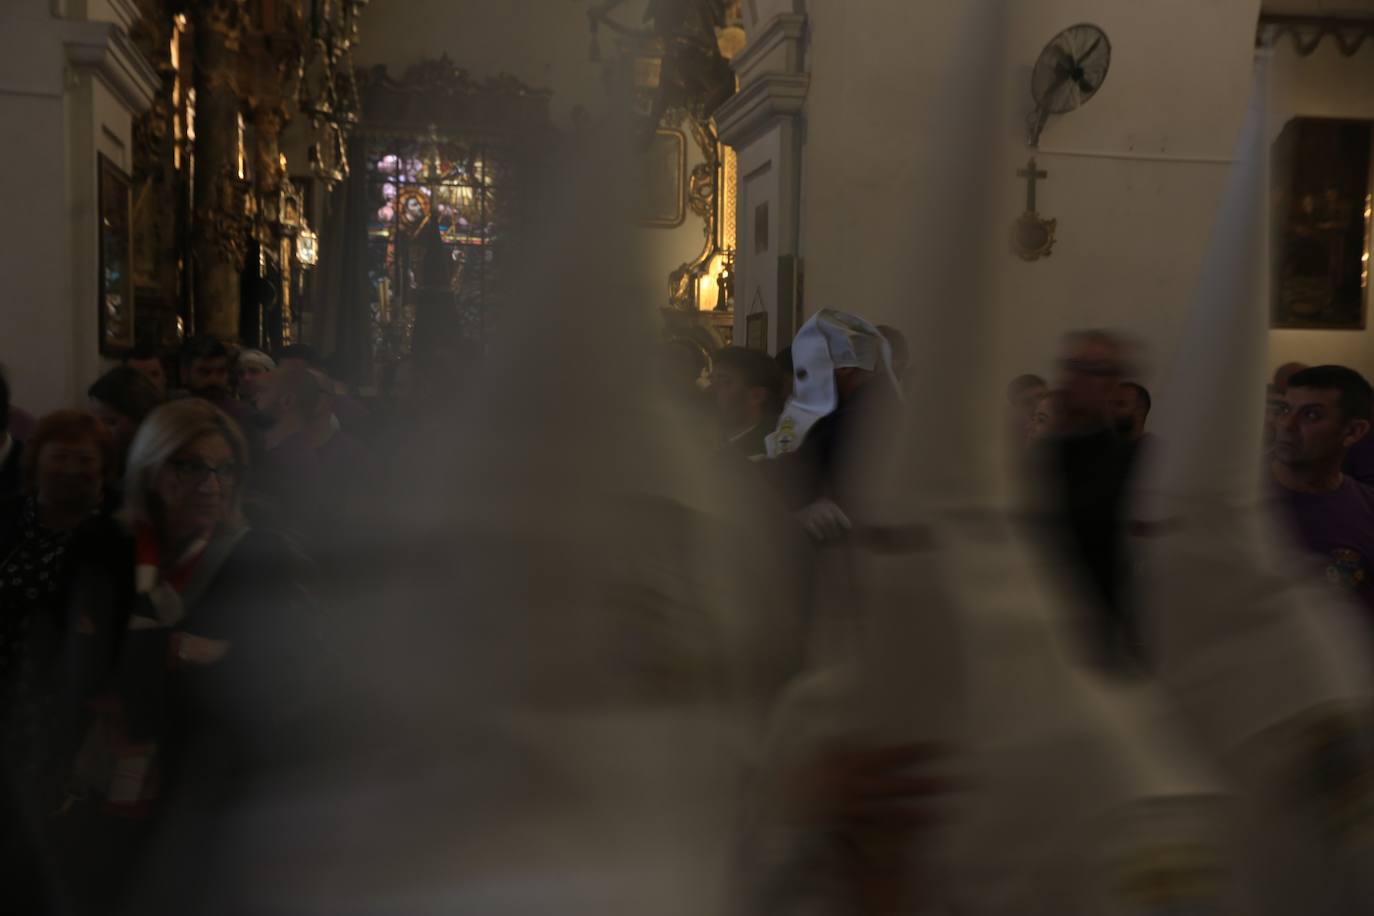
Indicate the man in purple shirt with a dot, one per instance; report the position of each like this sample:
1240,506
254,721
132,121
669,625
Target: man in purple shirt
1326,411
1359,462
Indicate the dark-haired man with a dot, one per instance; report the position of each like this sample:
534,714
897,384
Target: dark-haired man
1325,411
146,361
747,389
205,369
205,374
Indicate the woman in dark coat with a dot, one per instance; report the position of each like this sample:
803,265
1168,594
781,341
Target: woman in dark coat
194,640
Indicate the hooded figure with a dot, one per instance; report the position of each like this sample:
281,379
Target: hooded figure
843,388
1079,796
829,340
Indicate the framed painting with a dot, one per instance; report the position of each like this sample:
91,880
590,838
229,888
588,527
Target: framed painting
664,176
114,204
1323,181
756,331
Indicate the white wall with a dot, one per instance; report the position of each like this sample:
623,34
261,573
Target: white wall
1135,175
58,117
36,329
1323,85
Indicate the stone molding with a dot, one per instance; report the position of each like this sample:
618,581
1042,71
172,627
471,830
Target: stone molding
105,50
769,98
777,48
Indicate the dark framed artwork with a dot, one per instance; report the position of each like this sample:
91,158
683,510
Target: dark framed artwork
114,205
664,193
756,331
1322,209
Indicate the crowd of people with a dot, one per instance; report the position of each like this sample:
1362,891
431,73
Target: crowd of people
158,552
163,551
1083,443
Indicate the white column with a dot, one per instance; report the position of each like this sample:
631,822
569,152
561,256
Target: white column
69,89
763,124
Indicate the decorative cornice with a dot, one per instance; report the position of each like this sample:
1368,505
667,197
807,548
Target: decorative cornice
769,98
1308,32
106,51
783,34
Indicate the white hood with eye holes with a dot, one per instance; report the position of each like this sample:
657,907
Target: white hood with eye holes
830,340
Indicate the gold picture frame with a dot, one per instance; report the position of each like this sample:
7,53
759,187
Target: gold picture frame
664,177
115,264
1323,213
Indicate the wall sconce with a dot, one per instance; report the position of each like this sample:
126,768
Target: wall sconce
307,247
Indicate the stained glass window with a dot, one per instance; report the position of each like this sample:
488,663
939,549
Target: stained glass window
437,211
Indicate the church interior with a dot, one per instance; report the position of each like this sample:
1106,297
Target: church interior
264,147
655,390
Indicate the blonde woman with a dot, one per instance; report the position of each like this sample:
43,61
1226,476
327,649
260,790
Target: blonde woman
192,645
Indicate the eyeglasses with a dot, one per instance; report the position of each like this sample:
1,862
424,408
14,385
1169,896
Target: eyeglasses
193,472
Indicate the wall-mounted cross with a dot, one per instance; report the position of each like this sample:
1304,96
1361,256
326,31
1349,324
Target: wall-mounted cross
1031,174
1033,236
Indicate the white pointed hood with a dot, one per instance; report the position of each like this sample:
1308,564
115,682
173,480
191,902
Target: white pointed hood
828,341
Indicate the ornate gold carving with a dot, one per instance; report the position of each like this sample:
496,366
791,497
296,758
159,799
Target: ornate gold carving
685,35
222,79
442,77
159,186
702,198
226,18
1033,237
729,195
228,220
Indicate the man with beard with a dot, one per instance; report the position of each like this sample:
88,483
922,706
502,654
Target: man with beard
205,374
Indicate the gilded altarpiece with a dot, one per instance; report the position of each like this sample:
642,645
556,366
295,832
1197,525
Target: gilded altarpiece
162,167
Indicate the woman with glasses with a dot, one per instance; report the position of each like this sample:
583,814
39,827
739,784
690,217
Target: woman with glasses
190,652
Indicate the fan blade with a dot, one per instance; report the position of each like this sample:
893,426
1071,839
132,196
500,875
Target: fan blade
1089,53
1047,97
